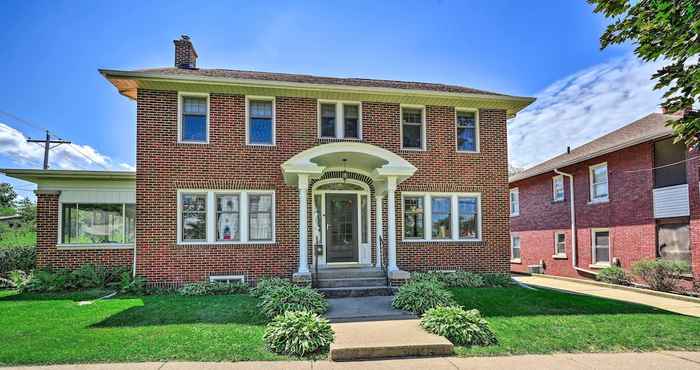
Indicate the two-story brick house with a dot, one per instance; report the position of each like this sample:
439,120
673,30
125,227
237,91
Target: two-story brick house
634,195
246,174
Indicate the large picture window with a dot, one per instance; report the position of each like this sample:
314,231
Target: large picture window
193,119
90,224
451,216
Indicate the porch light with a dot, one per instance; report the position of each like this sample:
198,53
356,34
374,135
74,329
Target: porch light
345,170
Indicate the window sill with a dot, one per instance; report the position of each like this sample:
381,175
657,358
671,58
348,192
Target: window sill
599,265
468,152
558,201
82,247
516,261
441,241
413,150
261,146
515,215
559,256
193,142
337,139
217,244
601,201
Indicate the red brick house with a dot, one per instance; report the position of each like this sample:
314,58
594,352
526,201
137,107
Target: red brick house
635,195
246,174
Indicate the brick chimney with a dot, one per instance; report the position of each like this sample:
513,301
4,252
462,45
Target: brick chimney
185,55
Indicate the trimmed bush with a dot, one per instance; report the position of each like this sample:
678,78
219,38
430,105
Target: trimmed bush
128,284
17,258
292,298
420,296
85,277
267,284
660,274
496,280
202,289
456,279
613,275
298,333
462,328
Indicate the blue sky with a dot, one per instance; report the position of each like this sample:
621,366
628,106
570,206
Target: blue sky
549,49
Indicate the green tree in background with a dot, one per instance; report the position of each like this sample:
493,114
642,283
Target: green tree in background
27,209
668,30
7,196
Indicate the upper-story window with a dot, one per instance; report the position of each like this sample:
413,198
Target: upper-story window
193,121
599,182
514,202
340,120
669,163
558,188
467,131
413,128
261,121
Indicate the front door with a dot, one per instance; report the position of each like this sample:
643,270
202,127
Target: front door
341,228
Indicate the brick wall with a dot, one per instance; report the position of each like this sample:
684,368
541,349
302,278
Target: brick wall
226,162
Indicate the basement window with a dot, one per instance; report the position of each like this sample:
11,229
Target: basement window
227,279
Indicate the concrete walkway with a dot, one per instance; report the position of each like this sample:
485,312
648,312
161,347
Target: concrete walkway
569,285
365,309
601,361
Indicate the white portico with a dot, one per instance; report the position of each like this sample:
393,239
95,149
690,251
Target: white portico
341,222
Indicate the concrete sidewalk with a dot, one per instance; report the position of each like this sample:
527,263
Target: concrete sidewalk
602,361
664,303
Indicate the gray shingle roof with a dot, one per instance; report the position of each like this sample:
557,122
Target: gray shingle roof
650,127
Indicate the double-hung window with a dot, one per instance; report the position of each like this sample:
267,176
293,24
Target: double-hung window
194,217
514,202
260,217
559,244
340,120
261,121
599,182
515,248
600,239
467,131
558,188
97,223
228,217
193,120
451,216
412,128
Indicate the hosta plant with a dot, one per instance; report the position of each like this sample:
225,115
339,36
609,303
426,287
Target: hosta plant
298,333
420,296
292,298
462,328
268,284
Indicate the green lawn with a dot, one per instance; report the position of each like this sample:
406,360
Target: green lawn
545,321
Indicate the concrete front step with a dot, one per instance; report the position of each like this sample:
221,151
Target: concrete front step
363,291
385,339
345,273
351,282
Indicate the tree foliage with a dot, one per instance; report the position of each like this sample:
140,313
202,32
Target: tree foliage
7,196
667,30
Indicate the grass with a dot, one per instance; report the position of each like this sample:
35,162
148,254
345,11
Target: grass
545,321
53,328
20,237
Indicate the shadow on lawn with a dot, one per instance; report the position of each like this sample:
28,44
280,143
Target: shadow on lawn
517,301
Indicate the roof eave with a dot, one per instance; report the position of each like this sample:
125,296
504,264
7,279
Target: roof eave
32,175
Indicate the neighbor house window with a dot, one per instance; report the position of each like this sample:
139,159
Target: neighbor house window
339,120
194,217
193,119
228,217
414,218
515,248
673,242
451,216
412,128
467,131
260,217
560,244
84,223
558,188
225,216
601,246
669,163
261,121
514,202
440,217
599,182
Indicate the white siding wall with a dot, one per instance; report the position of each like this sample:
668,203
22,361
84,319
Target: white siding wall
671,201
98,196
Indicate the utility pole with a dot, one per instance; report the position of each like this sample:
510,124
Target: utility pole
47,146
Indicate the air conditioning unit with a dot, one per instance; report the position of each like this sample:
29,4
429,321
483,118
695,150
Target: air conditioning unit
535,269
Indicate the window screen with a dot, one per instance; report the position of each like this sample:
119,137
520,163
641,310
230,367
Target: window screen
669,165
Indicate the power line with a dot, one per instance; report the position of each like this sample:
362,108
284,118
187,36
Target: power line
663,166
47,146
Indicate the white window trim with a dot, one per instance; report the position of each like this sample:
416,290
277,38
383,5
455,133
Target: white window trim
593,248
339,119
556,239
476,130
180,98
520,247
454,216
554,188
211,216
515,212
423,131
590,183
272,99
80,246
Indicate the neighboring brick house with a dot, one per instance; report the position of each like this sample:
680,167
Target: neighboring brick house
636,196
225,158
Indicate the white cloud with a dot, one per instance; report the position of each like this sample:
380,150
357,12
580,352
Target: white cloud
582,107
14,147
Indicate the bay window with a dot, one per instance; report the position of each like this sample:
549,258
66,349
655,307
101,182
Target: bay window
97,224
452,216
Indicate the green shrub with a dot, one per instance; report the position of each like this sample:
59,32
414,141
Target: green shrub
46,281
420,296
17,258
85,277
267,284
456,279
496,280
201,289
462,328
660,274
90,276
128,284
613,275
298,333
292,298
16,279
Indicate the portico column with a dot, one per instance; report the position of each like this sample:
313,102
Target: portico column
378,212
303,233
391,220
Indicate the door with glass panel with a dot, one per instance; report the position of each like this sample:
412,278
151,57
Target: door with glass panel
341,228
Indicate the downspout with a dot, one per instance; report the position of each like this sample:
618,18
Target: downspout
574,262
